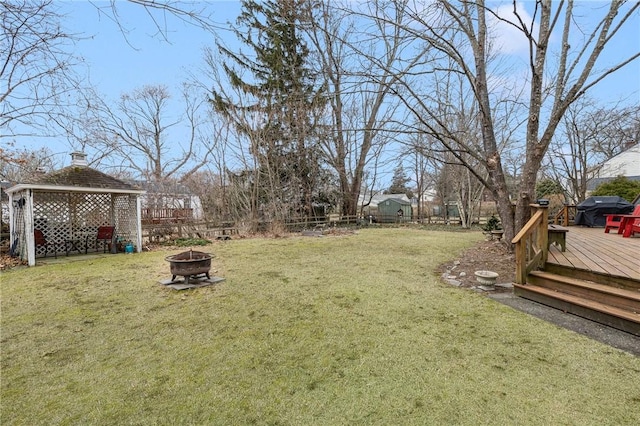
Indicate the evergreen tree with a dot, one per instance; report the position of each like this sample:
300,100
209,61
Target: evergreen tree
548,187
399,182
620,186
283,102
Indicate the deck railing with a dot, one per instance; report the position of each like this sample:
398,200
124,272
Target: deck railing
531,246
564,215
160,215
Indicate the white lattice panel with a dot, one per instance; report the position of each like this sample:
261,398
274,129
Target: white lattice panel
72,220
51,216
126,217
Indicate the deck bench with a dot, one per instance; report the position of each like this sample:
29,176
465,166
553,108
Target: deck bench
558,236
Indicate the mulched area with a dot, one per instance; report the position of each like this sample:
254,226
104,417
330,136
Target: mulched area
491,255
8,262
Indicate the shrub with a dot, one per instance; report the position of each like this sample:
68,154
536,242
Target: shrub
547,187
620,186
186,242
492,224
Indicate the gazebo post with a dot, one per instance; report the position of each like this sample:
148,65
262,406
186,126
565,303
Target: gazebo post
112,218
29,228
139,223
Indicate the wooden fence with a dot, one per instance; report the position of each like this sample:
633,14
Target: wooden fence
167,229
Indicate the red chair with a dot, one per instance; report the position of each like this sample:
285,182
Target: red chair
41,241
615,220
104,235
631,227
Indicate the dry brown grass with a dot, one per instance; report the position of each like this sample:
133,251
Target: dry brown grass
353,329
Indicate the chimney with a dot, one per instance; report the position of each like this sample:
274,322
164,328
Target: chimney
79,159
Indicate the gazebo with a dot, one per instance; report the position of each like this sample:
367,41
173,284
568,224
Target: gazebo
61,212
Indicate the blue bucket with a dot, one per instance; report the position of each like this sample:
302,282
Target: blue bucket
128,248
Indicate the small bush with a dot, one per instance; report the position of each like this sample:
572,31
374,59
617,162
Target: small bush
187,242
493,223
547,187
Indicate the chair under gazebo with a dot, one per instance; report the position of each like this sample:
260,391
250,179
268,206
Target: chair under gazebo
75,210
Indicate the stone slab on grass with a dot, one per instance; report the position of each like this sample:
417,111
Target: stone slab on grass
180,284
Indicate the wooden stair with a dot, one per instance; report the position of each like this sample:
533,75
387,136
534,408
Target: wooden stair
616,305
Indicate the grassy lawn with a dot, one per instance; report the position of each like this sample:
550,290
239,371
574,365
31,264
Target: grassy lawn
351,329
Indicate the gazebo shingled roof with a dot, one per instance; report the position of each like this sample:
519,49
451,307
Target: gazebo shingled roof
83,177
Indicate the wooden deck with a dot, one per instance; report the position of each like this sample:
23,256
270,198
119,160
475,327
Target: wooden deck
592,250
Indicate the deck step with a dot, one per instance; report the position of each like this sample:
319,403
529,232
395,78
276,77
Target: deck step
608,295
622,319
610,280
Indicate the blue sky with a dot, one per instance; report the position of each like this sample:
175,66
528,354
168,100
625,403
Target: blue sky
119,61
118,64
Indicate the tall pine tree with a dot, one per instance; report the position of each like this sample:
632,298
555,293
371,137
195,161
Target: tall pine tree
399,182
282,103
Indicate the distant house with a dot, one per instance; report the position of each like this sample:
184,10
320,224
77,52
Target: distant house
372,201
626,164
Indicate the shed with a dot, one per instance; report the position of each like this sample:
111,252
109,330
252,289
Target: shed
394,210
67,207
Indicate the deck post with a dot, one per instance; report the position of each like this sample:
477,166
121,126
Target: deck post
521,263
543,234
531,243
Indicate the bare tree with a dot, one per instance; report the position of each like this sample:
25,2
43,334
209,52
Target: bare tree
158,11
26,164
359,75
426,170
457,38
462,176
36,68
139,135
212,182
589,135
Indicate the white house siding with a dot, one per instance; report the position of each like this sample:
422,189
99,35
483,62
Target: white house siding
626,163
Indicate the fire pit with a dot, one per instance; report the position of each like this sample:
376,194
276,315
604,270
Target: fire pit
189,264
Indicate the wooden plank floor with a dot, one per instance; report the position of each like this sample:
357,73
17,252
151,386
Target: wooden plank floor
593,250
